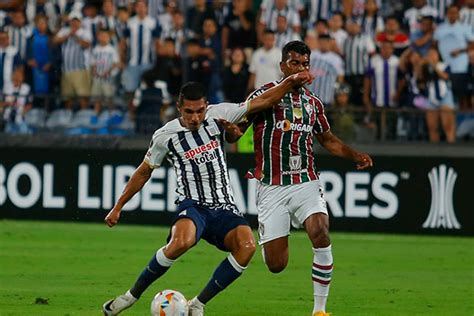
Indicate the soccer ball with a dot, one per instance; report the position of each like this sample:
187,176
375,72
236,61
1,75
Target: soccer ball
169,303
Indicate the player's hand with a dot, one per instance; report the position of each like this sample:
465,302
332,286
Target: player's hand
112,218
302,78
230,128
363,161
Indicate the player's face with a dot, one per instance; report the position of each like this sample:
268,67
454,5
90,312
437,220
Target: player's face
294,64
192,113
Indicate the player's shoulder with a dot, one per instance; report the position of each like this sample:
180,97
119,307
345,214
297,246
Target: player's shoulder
165,132
262,89
311,96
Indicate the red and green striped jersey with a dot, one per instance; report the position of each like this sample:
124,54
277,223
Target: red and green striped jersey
283,138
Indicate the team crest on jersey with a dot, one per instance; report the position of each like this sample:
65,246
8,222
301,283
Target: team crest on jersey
309,108
297,112
212,130
295,162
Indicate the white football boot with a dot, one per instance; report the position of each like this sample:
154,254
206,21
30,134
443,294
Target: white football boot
196,308
119,304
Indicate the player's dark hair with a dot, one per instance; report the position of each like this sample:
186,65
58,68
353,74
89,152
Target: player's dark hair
191,91
295,46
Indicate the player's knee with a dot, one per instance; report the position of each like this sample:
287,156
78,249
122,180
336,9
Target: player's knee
180,245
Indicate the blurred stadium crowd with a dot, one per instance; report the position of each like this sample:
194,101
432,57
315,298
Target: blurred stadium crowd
390,70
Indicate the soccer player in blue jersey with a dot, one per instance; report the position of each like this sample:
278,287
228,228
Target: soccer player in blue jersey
194,145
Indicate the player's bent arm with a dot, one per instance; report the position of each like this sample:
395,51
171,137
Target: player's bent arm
141,175
336,147
272,96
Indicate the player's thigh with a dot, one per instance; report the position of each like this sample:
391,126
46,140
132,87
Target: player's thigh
276,250
273,215
307,199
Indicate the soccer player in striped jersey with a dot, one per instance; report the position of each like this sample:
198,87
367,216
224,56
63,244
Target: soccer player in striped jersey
194,145
289,191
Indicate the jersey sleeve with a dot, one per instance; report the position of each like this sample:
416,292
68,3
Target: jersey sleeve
232,112
157,150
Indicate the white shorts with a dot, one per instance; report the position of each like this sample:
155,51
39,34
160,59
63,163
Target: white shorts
280,206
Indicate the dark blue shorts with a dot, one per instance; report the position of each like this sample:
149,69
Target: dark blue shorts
213,222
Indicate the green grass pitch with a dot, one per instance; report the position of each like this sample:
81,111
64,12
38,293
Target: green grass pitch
76,267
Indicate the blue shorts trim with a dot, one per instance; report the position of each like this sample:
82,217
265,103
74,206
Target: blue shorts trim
213,222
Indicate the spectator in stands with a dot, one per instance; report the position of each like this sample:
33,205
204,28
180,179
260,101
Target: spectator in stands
357,50
198,66
142,39
412,16
121,26
343,120
165,19
283,33
466,15
91,21
440,98
212,50
19,32
321,10
104,66
239,29
75,43
327,68
381,88
371,22
440,6
196,15
169,66
178,33
108,21
453,39
150,103
40,57
336,30
265,64
45,8
9,60
16,103
236,77
270,12
422,40
392,33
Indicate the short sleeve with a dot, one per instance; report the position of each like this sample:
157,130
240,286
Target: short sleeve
157,150
232,112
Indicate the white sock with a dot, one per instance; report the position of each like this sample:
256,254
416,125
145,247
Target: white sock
162,259
322,273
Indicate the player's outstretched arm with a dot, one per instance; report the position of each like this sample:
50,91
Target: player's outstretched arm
272,96
141,175
336,147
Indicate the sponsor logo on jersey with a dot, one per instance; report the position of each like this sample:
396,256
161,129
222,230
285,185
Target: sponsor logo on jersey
441,215
286,126
190,154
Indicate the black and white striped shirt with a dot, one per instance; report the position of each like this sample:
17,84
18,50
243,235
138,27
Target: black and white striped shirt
269,17
198,157
321,9
284,37
141,36
466,16
356,50
9,59
73,54
440,6
326,68
19,38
